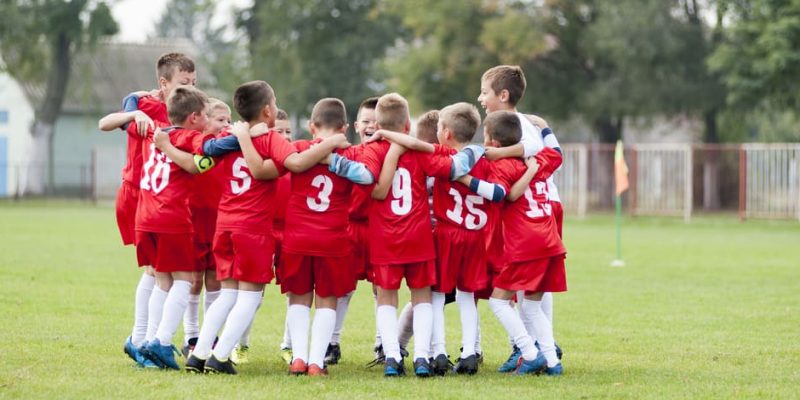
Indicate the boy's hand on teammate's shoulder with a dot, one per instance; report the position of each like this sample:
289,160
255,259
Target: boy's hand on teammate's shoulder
396,148
492,153
240,128
258,130
537,120
375,136
338,140
160,138
143,123
532,164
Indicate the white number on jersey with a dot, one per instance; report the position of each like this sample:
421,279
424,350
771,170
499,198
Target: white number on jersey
538,210
158,179
323,200
238,172
401,192
475,219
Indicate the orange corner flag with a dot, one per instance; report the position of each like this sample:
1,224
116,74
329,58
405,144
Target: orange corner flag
620,169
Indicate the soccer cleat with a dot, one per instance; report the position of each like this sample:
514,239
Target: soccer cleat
215,366
315,370
554,371
393,368
403,352
440,365
380,357
467,365
298,367
422,369
286,355
162,355
511,364
333,354
136,355
239,355
535,366
479,356
559,353
195,364
188,347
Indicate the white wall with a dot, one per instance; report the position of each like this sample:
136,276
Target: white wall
17,130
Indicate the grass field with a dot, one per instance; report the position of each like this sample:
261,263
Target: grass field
705,310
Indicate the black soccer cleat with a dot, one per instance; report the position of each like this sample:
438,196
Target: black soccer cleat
559,353
441,365
422,369
195,365
333,354
380,357
468,366
214,366
393,368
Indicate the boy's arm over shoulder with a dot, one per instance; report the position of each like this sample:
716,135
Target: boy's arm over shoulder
549,160
190,163
381,189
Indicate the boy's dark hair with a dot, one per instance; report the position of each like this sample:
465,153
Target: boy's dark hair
251,97
329,113
370,102
183,101
462,119
508,77
168,63
282,115
427,125
392,112
504,127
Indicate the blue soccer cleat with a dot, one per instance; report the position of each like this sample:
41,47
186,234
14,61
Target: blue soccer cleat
511,364
554,371
535,366
162,355
392,368
422,369
136,355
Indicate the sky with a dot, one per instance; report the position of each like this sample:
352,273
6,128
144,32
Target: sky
137,20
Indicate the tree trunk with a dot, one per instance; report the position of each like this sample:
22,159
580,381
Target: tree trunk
40,176
711,186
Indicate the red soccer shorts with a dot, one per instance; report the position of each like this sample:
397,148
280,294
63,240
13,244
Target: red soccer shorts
461,259
166,252
204,222
540,275
127,197
558,214
491,274
418,275
203,256
359,233
327,276
245,257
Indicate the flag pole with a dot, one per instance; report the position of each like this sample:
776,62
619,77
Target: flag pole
620,186
618,262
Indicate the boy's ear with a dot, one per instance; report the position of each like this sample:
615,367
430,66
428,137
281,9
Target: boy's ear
312,128
407,126
504,95
344,127
448,134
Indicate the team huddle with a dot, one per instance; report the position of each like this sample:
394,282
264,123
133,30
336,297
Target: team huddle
230,207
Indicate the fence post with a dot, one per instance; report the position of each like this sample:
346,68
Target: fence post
688,188
742,183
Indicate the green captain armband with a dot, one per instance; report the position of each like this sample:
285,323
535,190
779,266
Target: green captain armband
203,163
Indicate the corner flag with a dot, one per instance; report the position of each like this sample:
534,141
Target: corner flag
621,185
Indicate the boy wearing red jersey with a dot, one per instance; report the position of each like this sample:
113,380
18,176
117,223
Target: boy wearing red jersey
243,243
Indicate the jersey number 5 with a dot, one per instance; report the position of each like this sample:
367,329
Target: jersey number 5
239,172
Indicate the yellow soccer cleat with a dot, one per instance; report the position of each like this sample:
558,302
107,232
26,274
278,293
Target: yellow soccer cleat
239,355
286,355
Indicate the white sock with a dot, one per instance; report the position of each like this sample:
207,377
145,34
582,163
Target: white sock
513,325
174,307
209,299
245,339
378,341
544,331
342,305
155,309
386,317
298,317
469,322
141,308
437,324
423,322
287,338
526,315
213,320
547,306
241,315
321,331
191,317
405,324
478,336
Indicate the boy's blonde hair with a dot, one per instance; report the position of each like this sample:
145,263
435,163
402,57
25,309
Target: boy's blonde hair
508,77
215,104
329,113
183,101
168,63
427,125
503,127
391,112
462,119
251,97
281,115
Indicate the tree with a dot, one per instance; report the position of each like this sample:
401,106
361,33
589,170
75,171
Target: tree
38,40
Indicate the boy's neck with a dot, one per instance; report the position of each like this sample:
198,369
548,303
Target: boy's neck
323,133
456,145
258,121
507,107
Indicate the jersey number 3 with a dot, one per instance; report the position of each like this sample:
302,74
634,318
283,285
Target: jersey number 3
323,199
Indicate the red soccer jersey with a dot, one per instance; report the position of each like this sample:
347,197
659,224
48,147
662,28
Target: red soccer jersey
529,229
455,204
317,214
248,204
165,187
281,200
157,111
400,225
362,194
206,189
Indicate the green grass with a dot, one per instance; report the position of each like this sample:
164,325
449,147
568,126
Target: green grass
705,310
